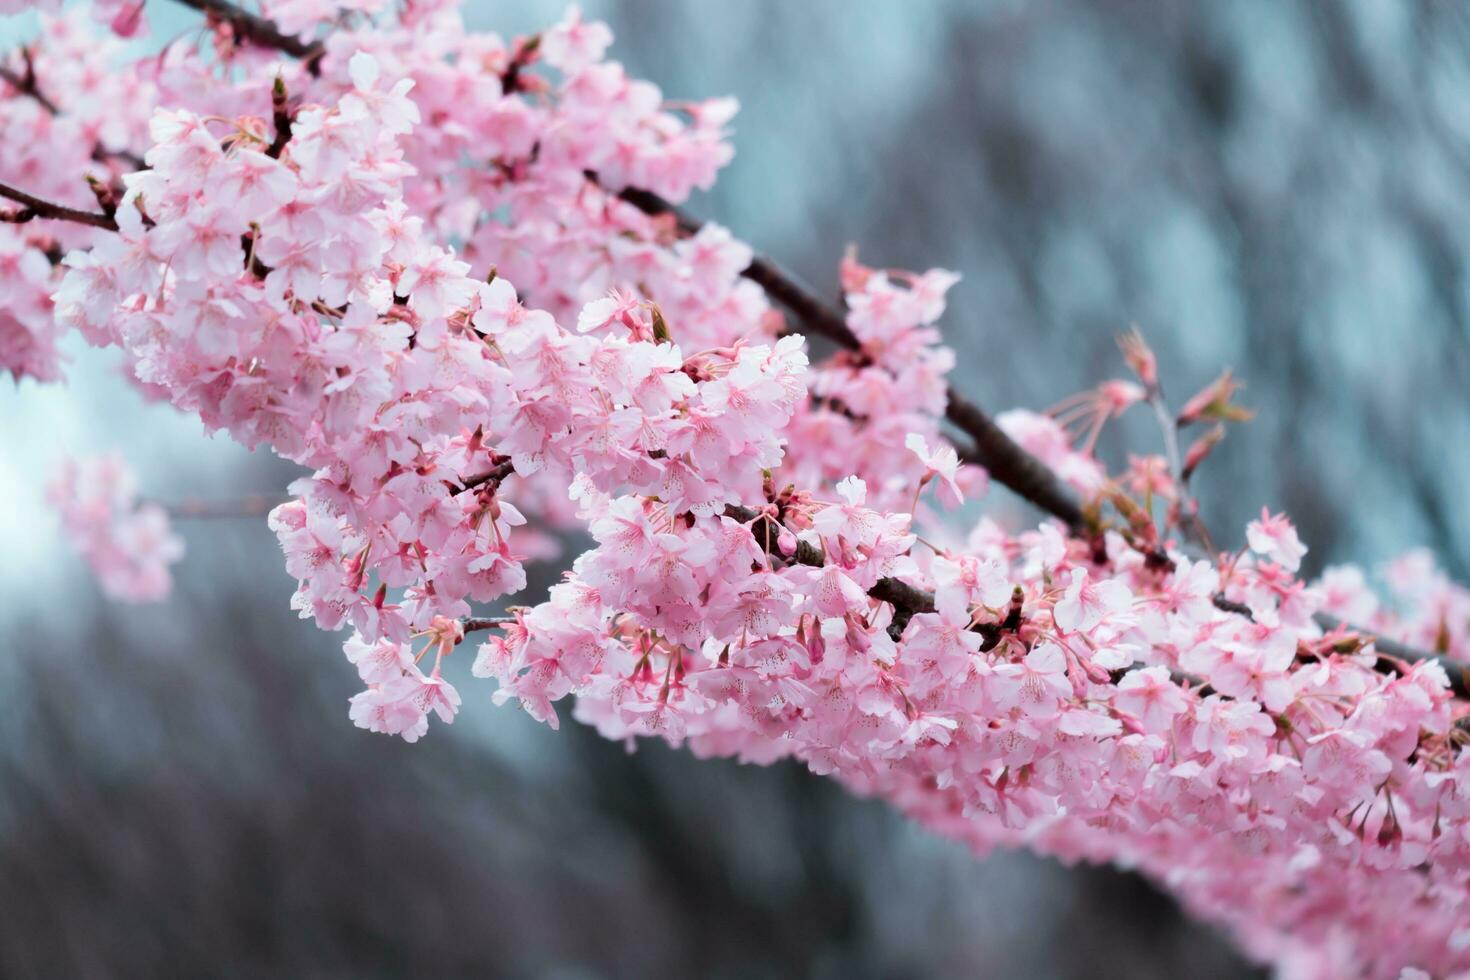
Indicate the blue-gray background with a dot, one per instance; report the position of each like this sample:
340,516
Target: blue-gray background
1274,186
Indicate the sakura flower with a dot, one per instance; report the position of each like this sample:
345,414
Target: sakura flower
392,111
255,183
129,545
849,518
1037,685
435,283
1152,697
1275,538
574,43
1087,603
401,705
380,662
1258,672
942,463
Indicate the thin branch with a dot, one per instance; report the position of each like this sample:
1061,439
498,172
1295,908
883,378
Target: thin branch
510,79
473,624
1008,463
26,84
1188,509
905,599
254,505
257,30
1459,674
495,476
35,207
280,119
1231,606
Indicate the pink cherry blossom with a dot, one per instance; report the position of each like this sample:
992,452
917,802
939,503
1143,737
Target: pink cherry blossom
435,299
1275,538
942,463
128,544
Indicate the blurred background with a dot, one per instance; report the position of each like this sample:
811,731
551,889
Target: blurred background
1279,187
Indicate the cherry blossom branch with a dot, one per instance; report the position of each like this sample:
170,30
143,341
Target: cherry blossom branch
474,624
1390,649
1008,463
257,30
254,505
495,476
26,84
907,600
1189,519
34,207
280,119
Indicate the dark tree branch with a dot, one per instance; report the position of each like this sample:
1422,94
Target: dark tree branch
255,29
35,207
1008,463
26,84
473,624
510,79
280,118
253,505
905,599
1458,673
494,476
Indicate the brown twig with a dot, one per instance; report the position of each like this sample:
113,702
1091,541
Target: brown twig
280,118
510,79
1459,674
257,30
475,623
254,505
905,599
495,476
26,84
34,207
1008,463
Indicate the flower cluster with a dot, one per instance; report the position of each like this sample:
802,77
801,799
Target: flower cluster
875,410
432,268
76,126
1086,705
128,545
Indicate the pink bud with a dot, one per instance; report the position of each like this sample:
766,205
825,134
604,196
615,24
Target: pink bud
128,20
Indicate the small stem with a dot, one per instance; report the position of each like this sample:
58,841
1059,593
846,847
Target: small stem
1009,464
254,505
495,476
35,207
473,624
1189,519
281,118
26,84
252,27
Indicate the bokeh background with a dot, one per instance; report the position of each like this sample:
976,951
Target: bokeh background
1280,187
